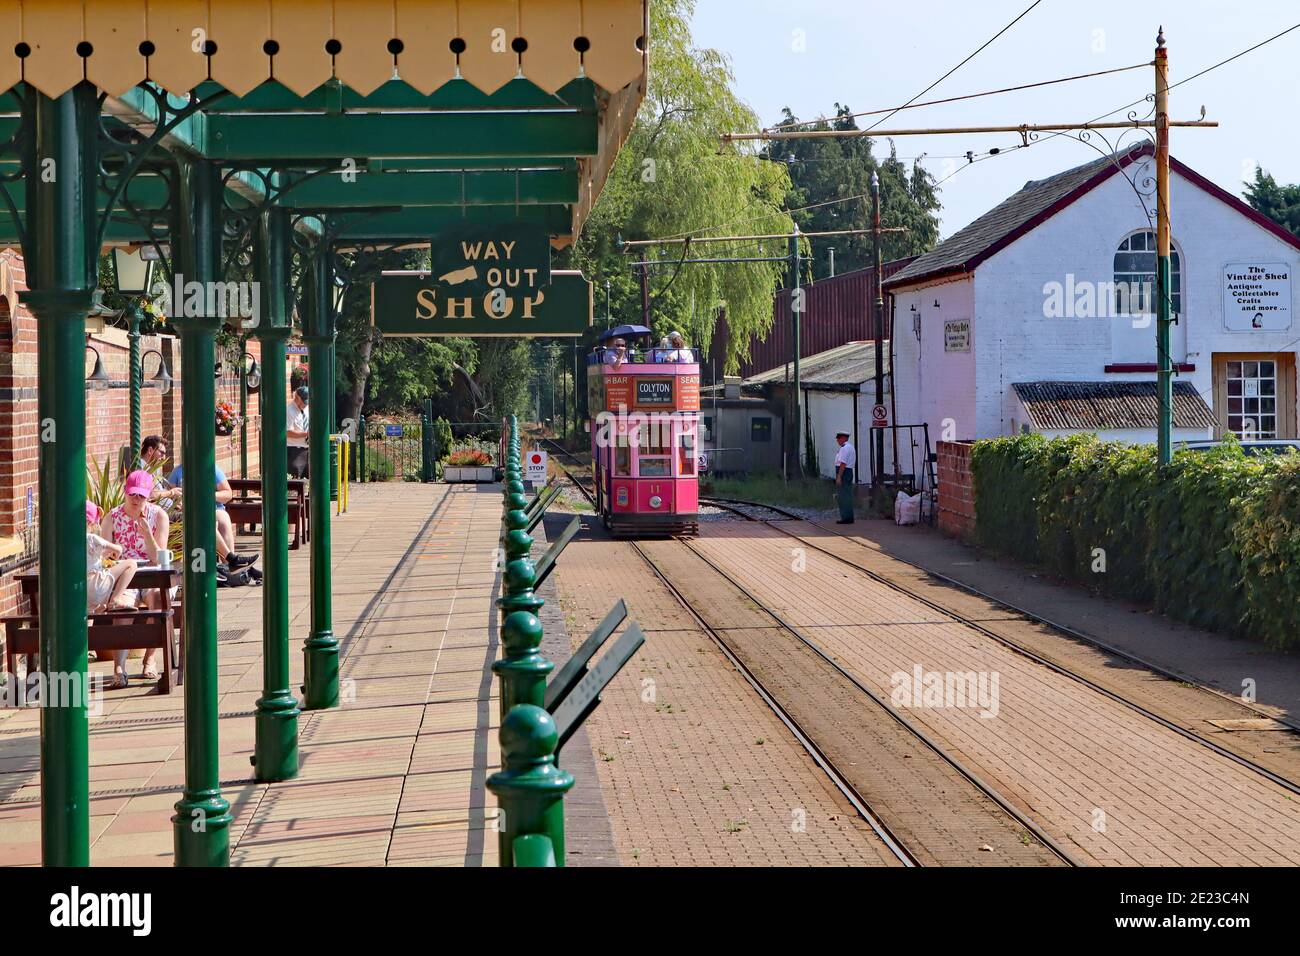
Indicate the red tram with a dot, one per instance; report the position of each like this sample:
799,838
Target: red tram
644,405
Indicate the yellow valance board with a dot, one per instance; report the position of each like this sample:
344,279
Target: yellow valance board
178,44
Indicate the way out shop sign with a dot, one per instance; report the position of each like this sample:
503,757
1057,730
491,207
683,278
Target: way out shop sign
413,304
484,282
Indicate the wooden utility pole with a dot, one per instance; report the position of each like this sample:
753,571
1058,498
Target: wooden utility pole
1164,288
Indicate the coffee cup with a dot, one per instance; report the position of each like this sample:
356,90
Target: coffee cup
164,559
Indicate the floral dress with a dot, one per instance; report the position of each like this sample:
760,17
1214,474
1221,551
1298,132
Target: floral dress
125,534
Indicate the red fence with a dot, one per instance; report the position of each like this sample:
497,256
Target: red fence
837,310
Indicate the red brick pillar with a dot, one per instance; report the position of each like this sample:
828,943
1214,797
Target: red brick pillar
956,490
19,431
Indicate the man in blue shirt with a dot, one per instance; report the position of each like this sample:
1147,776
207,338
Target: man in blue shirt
225,528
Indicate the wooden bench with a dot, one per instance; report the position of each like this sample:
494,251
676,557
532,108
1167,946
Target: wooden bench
246,507
111,631
118,631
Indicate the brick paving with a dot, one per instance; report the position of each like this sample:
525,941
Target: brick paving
1092,772
937,814
696,770
1211,670
395,776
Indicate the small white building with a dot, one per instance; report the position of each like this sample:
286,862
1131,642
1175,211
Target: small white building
839,393
1038,315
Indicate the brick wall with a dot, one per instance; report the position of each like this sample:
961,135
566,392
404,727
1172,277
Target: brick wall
956,490
108,410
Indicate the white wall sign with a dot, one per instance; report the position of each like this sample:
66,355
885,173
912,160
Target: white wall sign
956,335
535,467
1256,296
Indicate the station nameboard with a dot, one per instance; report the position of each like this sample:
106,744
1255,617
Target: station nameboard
416,303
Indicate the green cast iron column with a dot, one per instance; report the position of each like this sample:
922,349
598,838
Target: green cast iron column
321,649
136,376
202,820
275,754
60,269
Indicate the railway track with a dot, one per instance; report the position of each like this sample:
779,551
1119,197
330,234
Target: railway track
961,803
751,509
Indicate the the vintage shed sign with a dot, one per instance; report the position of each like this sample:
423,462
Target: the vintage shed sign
956,335
1257,296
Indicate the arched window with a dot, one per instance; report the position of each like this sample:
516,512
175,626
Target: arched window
1135,276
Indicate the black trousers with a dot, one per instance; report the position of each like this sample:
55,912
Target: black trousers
844,494
298,461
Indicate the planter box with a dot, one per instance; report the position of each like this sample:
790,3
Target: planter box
455,473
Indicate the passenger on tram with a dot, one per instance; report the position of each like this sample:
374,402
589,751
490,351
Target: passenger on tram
676,349
614,354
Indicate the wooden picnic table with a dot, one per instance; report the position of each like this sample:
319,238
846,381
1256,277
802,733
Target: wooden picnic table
112,630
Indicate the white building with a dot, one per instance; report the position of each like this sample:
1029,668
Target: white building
1031,317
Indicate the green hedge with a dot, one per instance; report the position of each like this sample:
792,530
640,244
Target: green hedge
1212,539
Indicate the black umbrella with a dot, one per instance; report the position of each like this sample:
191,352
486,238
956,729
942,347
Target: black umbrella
624,332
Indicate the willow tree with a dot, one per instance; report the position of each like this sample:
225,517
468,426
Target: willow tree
672,179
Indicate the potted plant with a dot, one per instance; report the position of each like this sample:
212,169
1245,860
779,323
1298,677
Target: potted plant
468,464
227,419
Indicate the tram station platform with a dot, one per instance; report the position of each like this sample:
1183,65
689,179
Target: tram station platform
394,776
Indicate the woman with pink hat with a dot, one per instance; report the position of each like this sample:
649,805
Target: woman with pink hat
141,529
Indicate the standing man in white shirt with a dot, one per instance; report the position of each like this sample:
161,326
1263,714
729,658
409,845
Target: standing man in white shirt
846,459
297,424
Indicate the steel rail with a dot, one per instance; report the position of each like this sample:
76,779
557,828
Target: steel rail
856,800
979,782
1024,651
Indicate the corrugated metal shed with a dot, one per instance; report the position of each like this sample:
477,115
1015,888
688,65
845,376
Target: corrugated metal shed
1092,406
844,368
836,310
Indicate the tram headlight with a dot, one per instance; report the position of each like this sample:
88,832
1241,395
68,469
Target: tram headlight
655,501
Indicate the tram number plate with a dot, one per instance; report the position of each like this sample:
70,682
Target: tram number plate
654,391
583,699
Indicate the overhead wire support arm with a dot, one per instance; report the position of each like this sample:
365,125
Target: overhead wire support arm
1023,129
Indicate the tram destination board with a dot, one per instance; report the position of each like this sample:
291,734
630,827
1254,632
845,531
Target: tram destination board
645,392
418,304
654,392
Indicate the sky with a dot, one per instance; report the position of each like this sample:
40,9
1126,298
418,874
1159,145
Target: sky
810,54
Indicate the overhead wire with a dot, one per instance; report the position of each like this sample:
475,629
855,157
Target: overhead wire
970,57
1005,150
956,99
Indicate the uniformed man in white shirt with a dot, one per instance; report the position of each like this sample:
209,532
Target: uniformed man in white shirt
297,426
846,459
